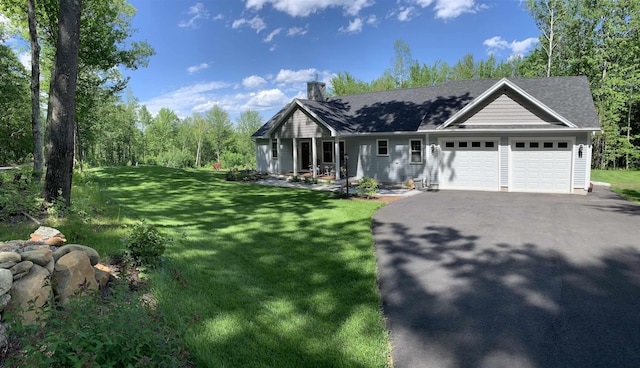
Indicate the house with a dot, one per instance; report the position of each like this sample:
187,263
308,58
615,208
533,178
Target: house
516,134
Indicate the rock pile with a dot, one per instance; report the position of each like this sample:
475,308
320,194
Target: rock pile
44,270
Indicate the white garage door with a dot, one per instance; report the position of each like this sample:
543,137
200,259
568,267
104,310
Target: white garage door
541,166
469,164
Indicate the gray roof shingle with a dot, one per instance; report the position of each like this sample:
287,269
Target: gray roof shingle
427,108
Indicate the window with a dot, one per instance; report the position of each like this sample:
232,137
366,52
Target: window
327,151
274,149
416,151
489,144
548,144
534,144
383,147
563,145
462,144
449,144
519,144
475,144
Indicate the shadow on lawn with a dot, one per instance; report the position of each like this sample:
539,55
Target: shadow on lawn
453,303
288,291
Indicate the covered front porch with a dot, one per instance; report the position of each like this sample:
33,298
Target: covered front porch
310,157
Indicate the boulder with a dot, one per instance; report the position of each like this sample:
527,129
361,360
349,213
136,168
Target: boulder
4,301
30,293
6,281
41,257
12,245
7,265
73,272
4,336
91,253
102,276
21,267
9,257
45,232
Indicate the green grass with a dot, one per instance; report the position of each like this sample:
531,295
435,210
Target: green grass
262,276
624,182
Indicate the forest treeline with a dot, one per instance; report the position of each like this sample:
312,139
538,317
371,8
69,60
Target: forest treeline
598,39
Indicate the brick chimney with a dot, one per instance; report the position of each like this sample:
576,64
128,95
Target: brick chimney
316,91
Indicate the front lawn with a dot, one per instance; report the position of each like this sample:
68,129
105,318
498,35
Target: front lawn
624,182
261,276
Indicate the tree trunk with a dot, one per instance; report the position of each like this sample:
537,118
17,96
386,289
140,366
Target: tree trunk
62,104
36,125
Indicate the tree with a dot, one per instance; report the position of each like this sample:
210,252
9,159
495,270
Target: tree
345,84
549,16
221,129
160,134
247,124
15,135
201,128
62,104
402,64
36,125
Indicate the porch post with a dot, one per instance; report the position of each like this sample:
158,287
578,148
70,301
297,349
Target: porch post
295,157
314,153
279,168
337,158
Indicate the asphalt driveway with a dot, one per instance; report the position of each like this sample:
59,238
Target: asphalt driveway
481,279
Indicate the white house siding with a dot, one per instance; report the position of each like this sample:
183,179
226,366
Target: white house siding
286,155
581,164
504,162
299,125
263,156
506,109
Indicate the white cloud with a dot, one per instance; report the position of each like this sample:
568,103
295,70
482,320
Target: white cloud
449,9
406,13
266,99
286,76
298,31
197,11
497,43
303,8
218,17
255,23
197,68
355,26
372,20
183,99
253,81
271,35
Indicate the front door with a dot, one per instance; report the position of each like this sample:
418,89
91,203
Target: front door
305,155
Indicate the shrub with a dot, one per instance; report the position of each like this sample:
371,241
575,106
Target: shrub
295,179
145,244
176,159
19,193
367,187
119,330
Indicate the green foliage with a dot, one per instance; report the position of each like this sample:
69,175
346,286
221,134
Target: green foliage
119,330
310,180
19,193
233,160
16,140
176,159
145,245
295,179
367,187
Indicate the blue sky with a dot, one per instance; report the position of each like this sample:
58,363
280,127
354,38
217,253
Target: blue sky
259,54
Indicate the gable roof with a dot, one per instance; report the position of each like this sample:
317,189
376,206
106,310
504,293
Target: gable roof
567,99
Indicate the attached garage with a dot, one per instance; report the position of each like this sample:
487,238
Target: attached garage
469,164
540,165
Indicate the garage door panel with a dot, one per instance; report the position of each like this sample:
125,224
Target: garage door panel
469,167
540,167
